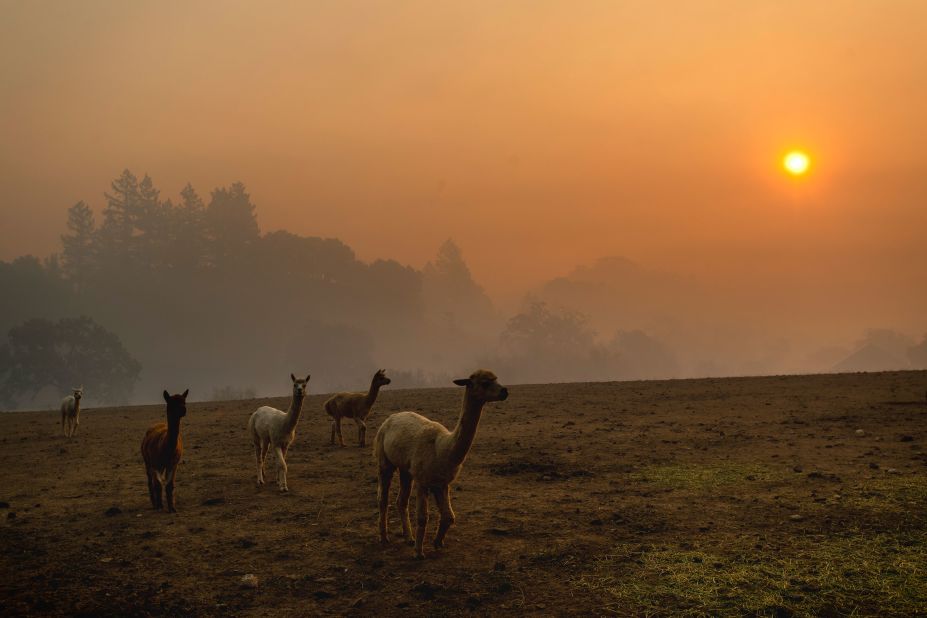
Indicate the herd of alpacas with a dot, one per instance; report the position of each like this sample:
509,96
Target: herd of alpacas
420,449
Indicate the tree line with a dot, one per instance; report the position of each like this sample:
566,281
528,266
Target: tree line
201,297
161,294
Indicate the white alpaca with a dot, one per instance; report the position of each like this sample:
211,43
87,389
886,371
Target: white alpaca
429,454
273,428
70,412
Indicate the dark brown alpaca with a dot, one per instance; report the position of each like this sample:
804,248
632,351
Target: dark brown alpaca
162,449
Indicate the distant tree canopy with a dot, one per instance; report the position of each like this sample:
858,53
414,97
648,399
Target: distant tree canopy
542,331
62,355
451,293
544,344
557,345
206,300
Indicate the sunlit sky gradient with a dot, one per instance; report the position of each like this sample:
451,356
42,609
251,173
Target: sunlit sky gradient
539,135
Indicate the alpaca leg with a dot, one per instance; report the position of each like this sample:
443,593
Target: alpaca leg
259,460
443,498
63,429
361,432
169,490
156,491
383,482
338,431
281,469
421,516
333,431
402,503
76,423
265,447
151,488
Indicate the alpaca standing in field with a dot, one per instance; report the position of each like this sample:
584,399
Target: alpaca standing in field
356,406
275,429
70,411
429,454
162,449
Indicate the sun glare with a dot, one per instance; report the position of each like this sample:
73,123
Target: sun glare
796,163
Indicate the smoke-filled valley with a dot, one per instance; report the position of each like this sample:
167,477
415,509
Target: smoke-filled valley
191,293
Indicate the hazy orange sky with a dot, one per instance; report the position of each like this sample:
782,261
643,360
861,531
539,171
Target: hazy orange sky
539,135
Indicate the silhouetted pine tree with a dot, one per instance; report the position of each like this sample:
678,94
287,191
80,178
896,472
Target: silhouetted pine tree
231,222
118,227
78,256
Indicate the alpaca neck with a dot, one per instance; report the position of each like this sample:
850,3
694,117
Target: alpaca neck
173,433
292,415
463,434
372,394
76,405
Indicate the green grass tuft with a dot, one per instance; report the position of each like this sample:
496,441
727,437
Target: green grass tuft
698,477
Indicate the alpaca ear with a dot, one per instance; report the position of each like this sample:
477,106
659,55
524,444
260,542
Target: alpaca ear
463,382
292,377
185,393
167,396
308,375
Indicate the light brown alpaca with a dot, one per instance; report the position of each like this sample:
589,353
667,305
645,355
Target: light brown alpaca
429,454
162,449
356,406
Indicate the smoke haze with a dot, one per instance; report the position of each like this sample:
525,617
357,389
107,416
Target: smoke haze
607,169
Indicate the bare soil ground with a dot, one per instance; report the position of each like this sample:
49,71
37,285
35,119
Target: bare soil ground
752,496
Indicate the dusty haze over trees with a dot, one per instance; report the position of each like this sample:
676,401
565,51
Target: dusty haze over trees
192,293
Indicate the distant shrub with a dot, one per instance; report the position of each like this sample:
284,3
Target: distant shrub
232,393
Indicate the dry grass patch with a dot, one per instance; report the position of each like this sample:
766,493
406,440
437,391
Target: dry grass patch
895,493
857,574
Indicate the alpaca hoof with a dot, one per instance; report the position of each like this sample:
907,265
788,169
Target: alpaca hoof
438,544
384,540
419,556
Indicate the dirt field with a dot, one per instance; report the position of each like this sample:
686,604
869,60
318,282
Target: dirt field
721,497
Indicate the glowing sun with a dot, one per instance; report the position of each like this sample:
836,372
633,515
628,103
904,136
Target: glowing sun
796,163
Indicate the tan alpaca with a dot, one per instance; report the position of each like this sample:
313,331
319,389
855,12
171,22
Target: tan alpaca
429,454
356,406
